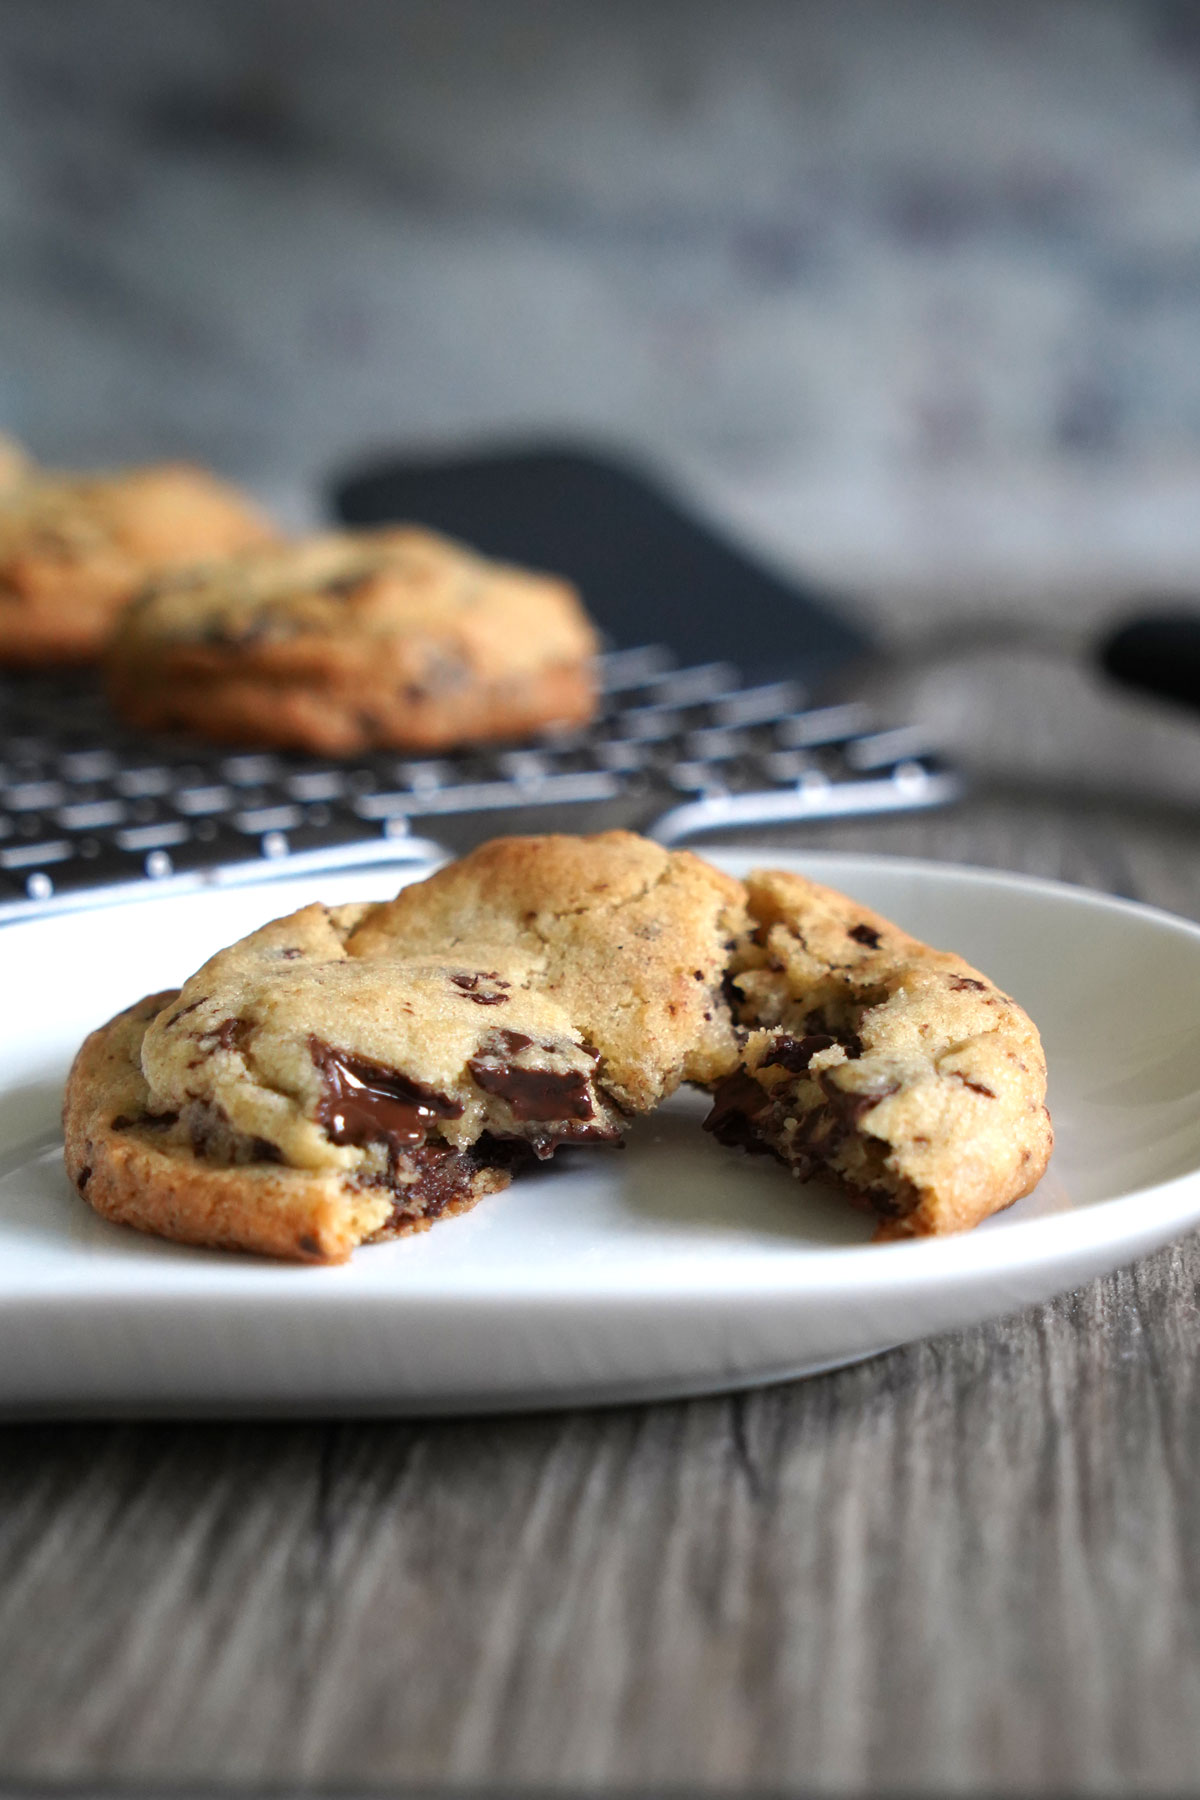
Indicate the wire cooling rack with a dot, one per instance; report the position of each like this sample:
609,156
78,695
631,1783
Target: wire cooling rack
91,812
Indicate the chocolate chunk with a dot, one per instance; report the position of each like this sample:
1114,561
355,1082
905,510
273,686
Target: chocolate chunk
481,996
737,1101
185,1010
231,1034
157,1121
535,1094
795,1053
82,1179
570,1131
817,1025
364,1103
865,934
436,1175
962,982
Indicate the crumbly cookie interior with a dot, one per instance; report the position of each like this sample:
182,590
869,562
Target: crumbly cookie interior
899,1071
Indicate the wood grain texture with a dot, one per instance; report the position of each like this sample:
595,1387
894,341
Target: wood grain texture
970,1565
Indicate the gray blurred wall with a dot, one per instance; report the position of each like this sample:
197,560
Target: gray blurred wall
909,292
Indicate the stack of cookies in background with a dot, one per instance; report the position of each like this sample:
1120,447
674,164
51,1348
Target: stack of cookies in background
208,620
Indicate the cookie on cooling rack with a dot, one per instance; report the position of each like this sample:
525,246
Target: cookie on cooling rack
348,641
899,1071
74,549
351,1074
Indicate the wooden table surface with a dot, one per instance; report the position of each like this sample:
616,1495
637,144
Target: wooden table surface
971,1564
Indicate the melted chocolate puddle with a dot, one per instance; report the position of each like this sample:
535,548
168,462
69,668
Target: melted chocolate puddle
364,1103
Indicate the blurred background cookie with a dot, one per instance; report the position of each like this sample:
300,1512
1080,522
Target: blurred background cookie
345,641
15,466
74,549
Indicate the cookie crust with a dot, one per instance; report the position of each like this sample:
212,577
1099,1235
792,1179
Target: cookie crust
351,641
346,1074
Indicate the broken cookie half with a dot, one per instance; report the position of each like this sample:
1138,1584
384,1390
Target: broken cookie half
350,1074
295,1100
896,1070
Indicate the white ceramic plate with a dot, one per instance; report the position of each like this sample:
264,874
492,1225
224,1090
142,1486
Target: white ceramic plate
673,1267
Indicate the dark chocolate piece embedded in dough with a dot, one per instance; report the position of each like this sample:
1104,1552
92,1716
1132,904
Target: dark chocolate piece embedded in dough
442,1176
866,935
736,1102
366,1104
482,996
795,1054
535,1095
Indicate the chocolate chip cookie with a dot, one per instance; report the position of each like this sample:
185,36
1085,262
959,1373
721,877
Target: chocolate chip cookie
899,1071
348,641
345,1075
74,549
